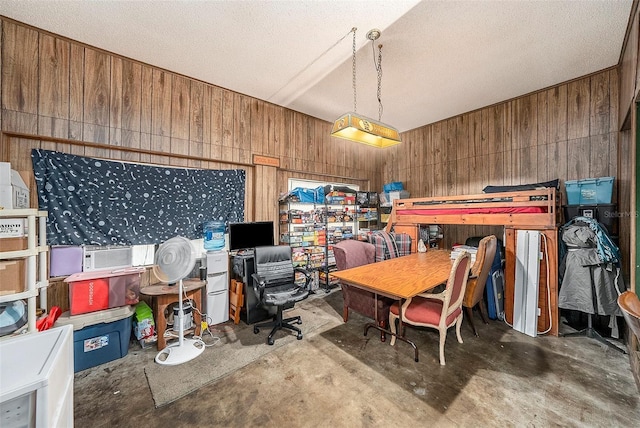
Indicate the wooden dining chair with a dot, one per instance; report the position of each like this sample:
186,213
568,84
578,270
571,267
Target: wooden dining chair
474,293
439,311
630,306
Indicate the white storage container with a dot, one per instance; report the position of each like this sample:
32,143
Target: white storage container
36,379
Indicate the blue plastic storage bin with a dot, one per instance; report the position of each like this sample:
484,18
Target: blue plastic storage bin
589,191
99,337
393,186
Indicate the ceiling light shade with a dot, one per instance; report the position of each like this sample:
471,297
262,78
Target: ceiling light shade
354,127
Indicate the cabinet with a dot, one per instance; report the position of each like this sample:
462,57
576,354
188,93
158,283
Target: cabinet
311,230
29,252
252,312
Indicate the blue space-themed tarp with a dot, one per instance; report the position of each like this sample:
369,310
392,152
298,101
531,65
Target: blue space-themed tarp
98,202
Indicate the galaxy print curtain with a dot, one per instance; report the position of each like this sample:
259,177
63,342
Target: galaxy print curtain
97,202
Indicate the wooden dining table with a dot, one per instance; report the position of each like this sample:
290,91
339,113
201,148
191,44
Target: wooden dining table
400,279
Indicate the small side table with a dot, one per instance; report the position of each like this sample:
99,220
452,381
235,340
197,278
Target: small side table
164,295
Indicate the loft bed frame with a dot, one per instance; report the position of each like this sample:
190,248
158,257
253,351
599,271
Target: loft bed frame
517,210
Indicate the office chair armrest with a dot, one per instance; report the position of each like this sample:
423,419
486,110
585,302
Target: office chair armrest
258,286
258,279
307,275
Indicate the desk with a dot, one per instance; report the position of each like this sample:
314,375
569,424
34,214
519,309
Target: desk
164,295
400,279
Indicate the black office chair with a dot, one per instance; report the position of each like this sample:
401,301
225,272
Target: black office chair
273,283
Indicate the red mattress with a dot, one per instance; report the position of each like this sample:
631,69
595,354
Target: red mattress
454,211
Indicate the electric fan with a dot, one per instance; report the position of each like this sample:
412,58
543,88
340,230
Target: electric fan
175,259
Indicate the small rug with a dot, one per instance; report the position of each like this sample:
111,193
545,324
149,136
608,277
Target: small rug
237,347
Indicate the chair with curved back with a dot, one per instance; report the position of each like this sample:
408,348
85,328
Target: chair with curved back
439,311
474,293
351,253
630,306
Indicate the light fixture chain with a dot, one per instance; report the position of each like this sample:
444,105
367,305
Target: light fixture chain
353,69
379,68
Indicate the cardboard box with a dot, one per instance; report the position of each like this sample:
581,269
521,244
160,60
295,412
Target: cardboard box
13,244
14,193
12,276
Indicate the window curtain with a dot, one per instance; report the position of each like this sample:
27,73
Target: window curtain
98,202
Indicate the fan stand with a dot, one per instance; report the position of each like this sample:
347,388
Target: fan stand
186,349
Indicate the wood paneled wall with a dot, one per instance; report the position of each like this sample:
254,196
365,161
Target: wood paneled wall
568,132
629,70
55,87
628,122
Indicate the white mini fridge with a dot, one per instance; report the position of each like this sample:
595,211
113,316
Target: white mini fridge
217,287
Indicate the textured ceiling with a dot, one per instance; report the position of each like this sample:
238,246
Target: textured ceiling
440,58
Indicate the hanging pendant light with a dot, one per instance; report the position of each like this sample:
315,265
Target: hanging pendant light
355,127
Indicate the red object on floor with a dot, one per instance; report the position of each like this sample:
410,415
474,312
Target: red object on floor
46,322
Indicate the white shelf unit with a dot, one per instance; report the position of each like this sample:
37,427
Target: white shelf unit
36,259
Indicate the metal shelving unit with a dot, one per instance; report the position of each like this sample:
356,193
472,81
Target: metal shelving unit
301,226
311,229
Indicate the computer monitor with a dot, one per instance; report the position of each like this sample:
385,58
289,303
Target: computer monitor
250,235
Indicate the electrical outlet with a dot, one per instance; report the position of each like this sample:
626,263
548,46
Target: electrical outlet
203,325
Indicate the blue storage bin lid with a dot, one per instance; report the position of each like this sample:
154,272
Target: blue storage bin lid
92,318
597,181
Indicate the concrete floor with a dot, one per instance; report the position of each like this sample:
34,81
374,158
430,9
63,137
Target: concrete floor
338,377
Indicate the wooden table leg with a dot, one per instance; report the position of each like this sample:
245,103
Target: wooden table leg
196,296
161,304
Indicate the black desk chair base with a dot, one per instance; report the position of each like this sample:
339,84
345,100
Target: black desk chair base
278,324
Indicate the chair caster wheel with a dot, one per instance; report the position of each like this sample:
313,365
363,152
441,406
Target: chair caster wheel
299,322
256,330
299,336
269,341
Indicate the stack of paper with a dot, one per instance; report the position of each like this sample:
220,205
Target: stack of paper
457,249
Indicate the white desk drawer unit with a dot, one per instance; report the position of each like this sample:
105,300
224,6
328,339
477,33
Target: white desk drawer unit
217,287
